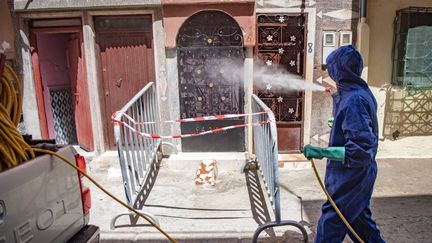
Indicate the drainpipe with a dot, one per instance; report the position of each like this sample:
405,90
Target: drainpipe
363,10
363,35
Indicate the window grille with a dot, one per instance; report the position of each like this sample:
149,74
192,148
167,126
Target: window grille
412,52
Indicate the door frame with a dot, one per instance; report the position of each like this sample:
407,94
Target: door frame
37,76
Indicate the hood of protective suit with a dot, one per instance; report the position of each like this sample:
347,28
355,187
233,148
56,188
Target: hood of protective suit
345,66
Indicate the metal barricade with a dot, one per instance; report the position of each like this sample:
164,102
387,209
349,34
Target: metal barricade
266,153
138,156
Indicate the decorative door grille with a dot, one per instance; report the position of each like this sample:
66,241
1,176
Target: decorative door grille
208,44
281,45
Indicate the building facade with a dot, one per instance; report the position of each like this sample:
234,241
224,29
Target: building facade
399,70
82,61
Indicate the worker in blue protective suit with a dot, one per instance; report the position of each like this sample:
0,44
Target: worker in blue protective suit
351,167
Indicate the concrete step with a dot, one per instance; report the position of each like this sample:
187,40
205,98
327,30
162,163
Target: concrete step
89,156
293,162
289,235
111,155
291,158
226,161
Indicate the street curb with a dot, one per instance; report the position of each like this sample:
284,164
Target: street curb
193,237
403,157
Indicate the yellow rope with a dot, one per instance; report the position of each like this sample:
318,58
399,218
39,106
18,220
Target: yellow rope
105,191
334,204
14,150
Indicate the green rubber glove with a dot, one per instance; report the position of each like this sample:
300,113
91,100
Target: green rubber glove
333,153
330,122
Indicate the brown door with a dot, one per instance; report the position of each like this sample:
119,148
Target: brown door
38,86
80,93
126,62
281,44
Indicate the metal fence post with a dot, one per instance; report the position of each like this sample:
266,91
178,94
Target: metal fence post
137,155
266,153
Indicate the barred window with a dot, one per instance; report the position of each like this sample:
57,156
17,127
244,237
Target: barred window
412,50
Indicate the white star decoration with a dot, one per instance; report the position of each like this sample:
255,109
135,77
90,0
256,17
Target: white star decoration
290,110
269,62
280,99
292,63
268,87
292,38
5,45
269,38
281,50
281,19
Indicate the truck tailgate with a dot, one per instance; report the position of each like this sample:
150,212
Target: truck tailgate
40,200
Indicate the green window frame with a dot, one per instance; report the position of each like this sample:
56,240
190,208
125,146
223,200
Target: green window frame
412,48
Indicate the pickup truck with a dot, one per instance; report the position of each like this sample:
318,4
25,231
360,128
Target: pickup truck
46,200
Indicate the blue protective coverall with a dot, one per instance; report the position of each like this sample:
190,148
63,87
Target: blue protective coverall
355,127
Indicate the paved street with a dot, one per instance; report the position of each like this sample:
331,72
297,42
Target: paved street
401,201
231,211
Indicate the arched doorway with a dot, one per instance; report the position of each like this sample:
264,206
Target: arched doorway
210,63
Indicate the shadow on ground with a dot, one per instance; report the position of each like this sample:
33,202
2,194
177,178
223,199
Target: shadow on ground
261,214
402,219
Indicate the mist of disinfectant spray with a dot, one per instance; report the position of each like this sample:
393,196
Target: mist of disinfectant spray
265,76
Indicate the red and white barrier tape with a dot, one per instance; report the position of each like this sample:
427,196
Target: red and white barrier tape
155,136
201,118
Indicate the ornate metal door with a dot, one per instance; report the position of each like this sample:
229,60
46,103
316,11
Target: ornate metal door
208,43
281,44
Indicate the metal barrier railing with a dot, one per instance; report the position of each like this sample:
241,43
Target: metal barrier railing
138,156
266,152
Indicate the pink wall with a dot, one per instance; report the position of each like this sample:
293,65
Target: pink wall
52,49
6,29
176,12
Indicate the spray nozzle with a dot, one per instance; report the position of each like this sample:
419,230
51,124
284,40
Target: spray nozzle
328,89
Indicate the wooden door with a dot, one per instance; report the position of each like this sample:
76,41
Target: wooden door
126,62
281,44
38,86
80,92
